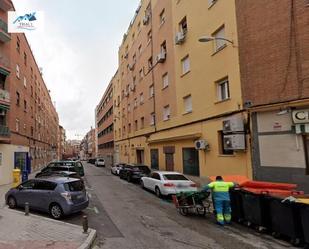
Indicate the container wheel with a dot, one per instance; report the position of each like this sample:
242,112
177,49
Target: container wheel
201,211
295,242
260,229
276,235
184,211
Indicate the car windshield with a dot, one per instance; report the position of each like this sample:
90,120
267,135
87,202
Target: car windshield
144,169
64,164
175,177
101,160
74,186
63,169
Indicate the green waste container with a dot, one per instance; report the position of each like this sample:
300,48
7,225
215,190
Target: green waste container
236,205
304,214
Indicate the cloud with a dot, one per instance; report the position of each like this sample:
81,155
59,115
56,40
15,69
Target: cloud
79,56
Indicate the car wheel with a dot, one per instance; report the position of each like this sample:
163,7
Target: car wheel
12,202
158,192
56,211
129,179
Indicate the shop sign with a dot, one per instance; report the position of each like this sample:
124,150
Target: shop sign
300,116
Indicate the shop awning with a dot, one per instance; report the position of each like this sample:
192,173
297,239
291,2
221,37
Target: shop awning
301,128
4,71
4,107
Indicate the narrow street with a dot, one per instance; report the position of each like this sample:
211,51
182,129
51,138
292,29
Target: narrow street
126,216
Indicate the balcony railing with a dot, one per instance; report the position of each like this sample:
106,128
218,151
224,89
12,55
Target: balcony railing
5,96
4,131
4,35
4,62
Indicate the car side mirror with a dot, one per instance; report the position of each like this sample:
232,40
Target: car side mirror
20,187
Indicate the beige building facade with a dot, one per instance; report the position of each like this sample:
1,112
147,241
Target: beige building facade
179,100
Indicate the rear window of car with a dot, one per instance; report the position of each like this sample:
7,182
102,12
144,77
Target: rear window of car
144,169
63,169
74,186
174,177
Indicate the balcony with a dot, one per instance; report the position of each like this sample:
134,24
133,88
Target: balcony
4,65
4,134
4,35
5,99
5,5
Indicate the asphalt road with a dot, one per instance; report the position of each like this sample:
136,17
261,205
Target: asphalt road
126,216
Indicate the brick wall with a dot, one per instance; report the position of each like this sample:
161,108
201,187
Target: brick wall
273,50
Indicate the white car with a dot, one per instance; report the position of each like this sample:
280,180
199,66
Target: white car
99,162
165,183
116,168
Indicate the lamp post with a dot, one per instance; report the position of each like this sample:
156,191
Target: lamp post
210,38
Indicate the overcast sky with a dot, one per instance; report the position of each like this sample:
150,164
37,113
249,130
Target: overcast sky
78,51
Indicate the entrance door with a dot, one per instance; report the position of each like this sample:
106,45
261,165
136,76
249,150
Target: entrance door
169,161
154,154
21,160
190,161
140,156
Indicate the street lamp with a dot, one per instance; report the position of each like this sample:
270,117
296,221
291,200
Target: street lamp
210,38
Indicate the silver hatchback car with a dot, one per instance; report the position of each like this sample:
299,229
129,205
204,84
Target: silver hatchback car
57,196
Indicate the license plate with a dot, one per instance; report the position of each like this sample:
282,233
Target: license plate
182,186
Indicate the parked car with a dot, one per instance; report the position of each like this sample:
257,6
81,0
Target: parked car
57,196
75,166
71,174
91,160
134,172
116,168
165,183
99,162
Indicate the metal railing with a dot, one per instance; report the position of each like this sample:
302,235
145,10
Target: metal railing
4,26
5,95
4,131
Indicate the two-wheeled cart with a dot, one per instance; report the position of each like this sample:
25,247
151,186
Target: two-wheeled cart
192,203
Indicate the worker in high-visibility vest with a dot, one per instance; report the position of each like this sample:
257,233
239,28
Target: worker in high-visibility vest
221,199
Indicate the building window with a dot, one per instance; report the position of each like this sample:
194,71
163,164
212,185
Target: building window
133,36
162,17
18,45
129,128
185,62
223,89
25,82
17,71
166,112
141,98
150,63
219,43
222,151
129,108
190,161
135,125
165,80
25,58
163,48
152,118
187,103
151,91
135,103
17,125
139,27
183,26
31,91
140,49
142,122
17,98
211,2
25,105
149,36
141,74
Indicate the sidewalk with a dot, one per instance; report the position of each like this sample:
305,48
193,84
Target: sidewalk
33,232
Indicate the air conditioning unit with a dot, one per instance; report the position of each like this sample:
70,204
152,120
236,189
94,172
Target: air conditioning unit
234,142
132,87
233,124
146,19
161,57
2,112
201,144
179,38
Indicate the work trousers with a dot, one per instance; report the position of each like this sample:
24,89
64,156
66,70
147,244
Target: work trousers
223,210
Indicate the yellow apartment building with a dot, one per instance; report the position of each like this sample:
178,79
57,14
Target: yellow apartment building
178,102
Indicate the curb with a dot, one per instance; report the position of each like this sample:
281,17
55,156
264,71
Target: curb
90,240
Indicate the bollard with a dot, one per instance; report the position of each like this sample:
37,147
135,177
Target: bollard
27,208
85,223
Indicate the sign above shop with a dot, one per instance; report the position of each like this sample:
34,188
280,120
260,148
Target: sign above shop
300,116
